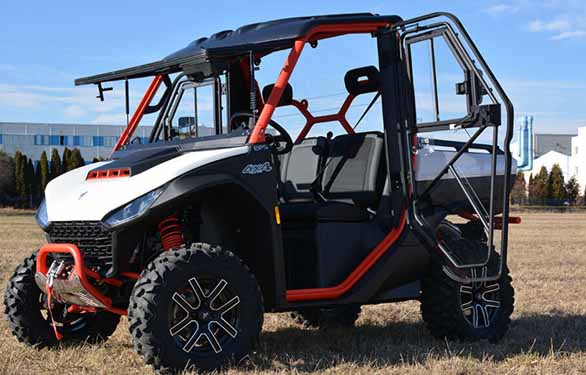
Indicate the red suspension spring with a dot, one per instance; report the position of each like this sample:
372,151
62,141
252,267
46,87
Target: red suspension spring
170,231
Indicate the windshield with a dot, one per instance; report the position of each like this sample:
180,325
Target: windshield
195,110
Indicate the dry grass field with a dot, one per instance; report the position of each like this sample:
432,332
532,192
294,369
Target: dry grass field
547,335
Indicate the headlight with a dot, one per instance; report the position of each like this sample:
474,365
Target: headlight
133,209
41,216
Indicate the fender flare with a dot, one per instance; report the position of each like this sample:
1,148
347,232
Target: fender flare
186,186
182,191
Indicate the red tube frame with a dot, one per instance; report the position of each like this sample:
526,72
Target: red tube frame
310,120
338,290
258,133
139,113
317,33
258,136
81,271
498,221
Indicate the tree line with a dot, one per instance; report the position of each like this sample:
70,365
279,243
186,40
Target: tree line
22,183
547,189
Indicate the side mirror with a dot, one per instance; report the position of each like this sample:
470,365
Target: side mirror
286,98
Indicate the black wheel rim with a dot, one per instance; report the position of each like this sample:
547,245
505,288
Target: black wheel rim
204,316
480,301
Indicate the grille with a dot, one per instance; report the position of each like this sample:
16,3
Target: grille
92,239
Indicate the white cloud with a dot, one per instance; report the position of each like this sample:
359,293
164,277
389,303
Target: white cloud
561,23
502,8
556,104
74,103
562,27
74,111
546,84
34,95
19,99
576,34
110,119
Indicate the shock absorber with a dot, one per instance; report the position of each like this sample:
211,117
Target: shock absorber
170,231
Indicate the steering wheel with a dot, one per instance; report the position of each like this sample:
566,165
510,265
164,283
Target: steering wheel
274,141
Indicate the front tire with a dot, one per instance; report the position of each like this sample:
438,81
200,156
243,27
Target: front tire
197,307
26,311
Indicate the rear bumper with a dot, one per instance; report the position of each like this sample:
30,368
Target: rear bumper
75,288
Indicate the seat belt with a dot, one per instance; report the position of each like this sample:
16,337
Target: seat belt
336,172
345,157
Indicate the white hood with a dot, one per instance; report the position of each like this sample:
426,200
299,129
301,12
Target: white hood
70,197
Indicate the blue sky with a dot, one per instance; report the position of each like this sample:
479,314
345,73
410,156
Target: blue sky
537,48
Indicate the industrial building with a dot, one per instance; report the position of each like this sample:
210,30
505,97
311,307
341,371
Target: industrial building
544,143
578,159
94,141
566,150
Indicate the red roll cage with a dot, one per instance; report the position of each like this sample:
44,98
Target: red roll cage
258,136
258,133
319,32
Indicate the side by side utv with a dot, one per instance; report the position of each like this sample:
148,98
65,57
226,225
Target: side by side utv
194,237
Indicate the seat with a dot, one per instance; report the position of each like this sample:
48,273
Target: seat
352,180
299,168
355,169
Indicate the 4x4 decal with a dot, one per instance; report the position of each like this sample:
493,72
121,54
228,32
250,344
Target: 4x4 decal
257,168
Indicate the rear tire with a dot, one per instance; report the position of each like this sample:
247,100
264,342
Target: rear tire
324,318
195,308
467,312
25,310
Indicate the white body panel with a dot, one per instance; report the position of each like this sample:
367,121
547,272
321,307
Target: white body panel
71,198
430,162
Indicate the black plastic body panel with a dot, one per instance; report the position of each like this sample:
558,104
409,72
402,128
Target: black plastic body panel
203,185
300,255
402,293
408,259
341,247
405,263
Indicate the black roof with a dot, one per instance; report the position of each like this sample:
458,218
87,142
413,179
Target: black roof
258,37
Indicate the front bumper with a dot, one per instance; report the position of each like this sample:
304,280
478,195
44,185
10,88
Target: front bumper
74,286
